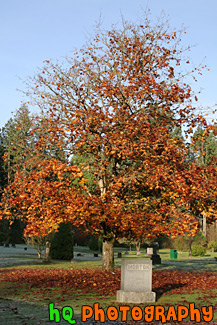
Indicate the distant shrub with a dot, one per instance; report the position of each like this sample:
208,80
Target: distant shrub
212,246
198,250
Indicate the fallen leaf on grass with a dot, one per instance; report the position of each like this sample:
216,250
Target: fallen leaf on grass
103,283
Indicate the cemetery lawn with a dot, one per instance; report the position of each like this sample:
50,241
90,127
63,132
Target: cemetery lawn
176,282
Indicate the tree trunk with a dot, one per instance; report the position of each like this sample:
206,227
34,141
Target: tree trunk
189,255
204,224
108,254
47,251
190,246
138,248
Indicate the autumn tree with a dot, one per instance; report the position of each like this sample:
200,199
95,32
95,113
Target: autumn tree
39,195
117,101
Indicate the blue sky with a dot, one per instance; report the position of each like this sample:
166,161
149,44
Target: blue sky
33,31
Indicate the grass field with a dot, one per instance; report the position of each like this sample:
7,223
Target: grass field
176,282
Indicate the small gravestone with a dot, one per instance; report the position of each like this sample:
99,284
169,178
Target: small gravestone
95,255
119,255
150,251
136,282
7,245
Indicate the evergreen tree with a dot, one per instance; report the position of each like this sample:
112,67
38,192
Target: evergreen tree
204,149
62,243
16,140
3,173
204,146
177,133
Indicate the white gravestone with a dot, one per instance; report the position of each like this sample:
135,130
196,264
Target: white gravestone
150,251
136,281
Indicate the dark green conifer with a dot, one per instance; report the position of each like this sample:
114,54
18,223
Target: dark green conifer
62,243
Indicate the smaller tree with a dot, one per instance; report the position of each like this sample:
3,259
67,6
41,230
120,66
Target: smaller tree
62,243
40,195
38,243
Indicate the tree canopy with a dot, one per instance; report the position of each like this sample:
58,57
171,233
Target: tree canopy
117,101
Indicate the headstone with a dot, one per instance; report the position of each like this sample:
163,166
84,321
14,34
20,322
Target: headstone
136,282
7,245
150,251
119,255
155,257
95,255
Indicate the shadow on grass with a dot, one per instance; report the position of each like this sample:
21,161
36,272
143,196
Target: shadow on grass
166,288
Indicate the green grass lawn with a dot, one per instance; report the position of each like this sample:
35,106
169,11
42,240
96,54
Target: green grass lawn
42,294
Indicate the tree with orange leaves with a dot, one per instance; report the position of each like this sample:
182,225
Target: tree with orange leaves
117,102
39,195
